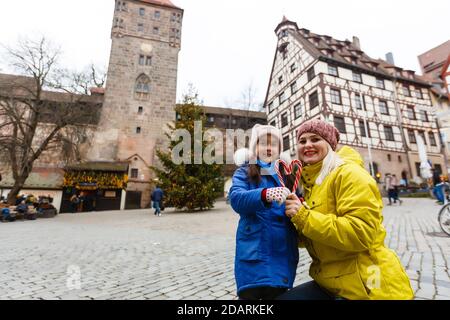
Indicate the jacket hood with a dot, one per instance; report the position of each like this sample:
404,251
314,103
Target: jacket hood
350,155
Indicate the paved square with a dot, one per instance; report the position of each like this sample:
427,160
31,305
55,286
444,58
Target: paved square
135,255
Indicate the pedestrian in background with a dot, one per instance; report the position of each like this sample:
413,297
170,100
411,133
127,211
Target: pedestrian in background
437,186
74,203
157,198
389,186
396,187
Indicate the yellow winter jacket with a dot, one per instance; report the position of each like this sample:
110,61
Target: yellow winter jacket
343,232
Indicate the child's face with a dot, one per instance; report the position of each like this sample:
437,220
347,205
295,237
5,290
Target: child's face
268,149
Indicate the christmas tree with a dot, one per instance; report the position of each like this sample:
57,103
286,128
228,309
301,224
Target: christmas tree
188,186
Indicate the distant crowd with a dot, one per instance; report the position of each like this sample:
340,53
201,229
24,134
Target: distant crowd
26,206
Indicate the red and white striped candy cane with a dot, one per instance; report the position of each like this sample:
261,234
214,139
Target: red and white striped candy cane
289,169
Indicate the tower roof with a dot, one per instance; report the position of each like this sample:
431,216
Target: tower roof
164,3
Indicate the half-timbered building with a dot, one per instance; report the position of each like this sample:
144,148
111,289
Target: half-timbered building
379,108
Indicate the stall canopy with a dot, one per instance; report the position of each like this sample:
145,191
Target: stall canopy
97,176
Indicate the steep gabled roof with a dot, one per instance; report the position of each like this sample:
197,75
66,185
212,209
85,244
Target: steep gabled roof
349,54
163,3
435,57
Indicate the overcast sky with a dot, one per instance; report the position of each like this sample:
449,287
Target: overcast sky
228,44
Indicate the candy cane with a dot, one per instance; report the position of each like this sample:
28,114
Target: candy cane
289,170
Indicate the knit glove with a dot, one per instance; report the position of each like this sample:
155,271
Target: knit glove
278,195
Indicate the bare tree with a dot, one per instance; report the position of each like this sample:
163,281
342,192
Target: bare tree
191,95
248,98
84,81
248,102
43,110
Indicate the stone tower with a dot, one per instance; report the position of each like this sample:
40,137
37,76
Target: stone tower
140,93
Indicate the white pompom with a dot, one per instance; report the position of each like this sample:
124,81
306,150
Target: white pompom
286,157
241,156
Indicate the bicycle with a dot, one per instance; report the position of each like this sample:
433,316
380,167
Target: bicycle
444,217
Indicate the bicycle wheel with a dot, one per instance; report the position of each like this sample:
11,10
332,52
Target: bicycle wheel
444,218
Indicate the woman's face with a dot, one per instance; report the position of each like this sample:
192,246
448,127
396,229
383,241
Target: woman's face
312,148
268,149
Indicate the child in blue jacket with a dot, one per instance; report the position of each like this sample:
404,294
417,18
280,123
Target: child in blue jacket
266,241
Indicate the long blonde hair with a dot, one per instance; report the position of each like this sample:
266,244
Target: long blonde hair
330,162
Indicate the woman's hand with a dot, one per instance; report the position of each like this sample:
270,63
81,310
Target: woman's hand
293,205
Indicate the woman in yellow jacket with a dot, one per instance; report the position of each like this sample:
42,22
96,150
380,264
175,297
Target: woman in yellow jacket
340,224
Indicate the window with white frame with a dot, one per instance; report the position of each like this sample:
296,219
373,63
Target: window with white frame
282,97
313,100
380,83
383,107
333,70
297,110
423,115
311,73
432,138
336,96
406,91
293,67
389,133
357,77
294,87
411,113
284,120
339,123
358,101
412,136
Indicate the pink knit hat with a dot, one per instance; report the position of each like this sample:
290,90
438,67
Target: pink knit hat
321,128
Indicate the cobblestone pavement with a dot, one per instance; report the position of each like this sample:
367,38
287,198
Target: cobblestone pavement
135,255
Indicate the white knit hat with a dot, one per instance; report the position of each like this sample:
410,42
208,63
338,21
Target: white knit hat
245,155
259,131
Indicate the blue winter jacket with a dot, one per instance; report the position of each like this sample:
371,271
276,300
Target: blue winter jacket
157,195
266,241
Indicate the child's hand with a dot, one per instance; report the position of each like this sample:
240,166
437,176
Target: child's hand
278,195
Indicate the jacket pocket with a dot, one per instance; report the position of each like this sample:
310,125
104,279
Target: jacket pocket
338,268
249,242
343,279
